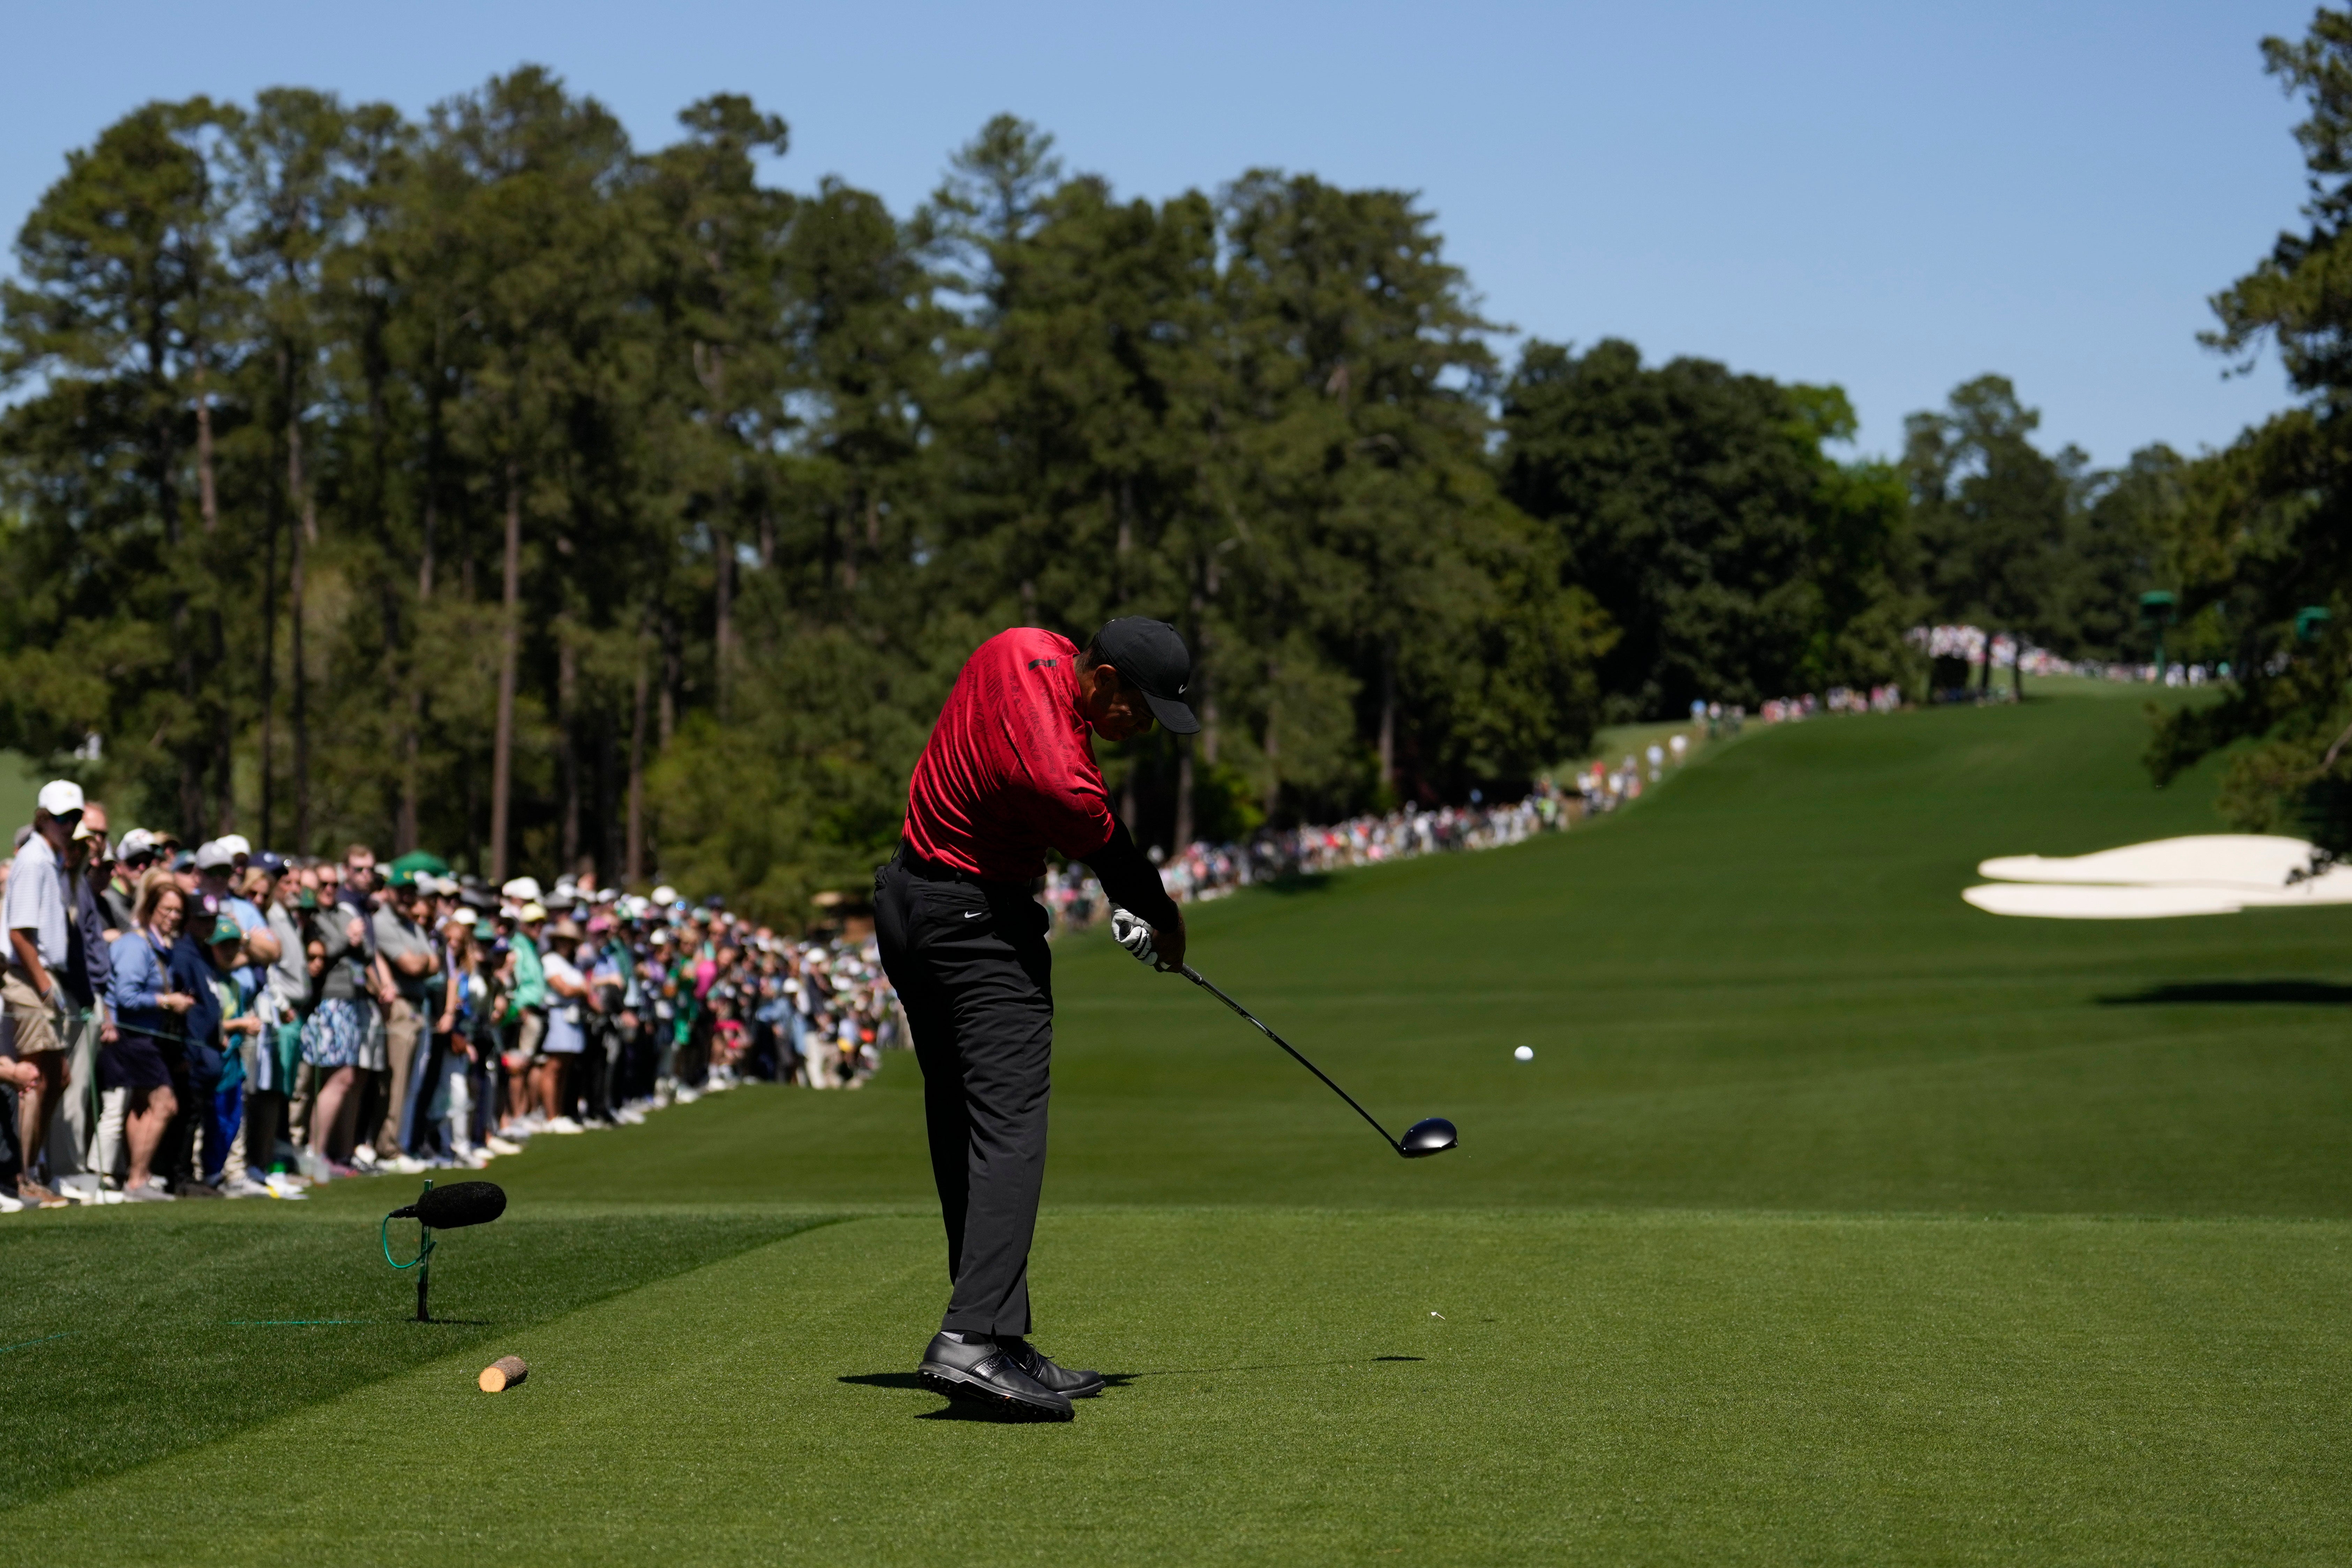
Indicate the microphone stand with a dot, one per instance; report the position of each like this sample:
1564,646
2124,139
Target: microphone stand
424,1273
423,1261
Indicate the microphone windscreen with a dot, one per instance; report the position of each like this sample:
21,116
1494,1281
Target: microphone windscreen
461,1203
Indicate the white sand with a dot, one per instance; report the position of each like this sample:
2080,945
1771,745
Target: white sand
2229,860
2207,874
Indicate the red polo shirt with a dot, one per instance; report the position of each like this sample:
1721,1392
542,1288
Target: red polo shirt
1009,768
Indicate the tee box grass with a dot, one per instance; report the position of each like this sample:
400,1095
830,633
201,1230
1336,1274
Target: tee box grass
1832,1221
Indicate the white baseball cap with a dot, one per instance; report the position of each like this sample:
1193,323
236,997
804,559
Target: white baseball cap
522,890
213,854
237,846
663,896
60,797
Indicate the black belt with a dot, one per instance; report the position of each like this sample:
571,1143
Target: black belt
932,870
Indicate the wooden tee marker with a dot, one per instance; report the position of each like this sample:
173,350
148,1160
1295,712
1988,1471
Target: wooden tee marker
503,1374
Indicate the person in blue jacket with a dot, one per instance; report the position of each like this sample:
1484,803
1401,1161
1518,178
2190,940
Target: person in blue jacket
148,1052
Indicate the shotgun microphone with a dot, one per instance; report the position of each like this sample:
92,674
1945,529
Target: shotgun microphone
440,1208
459,1204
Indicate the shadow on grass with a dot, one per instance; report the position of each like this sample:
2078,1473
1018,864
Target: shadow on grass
193,1330
2301,993
947,1409
908,1380
355,1322
1298,882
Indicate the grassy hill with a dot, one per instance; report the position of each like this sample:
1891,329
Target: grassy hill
1834,1220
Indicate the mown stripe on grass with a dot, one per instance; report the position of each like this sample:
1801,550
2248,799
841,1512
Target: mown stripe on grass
1295,1387
163,1360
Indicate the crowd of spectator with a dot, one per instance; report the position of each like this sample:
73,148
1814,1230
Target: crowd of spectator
1204,871
223,1022
234,1023
1971,648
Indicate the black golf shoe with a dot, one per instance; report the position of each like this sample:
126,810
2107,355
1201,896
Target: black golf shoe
981,1373
1041,1367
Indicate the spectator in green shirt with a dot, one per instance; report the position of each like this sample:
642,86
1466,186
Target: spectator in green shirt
526,1008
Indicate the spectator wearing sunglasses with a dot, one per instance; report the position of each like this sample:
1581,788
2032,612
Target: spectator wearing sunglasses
117,900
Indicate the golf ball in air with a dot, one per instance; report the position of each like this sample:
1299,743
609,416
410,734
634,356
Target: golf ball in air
1525,1053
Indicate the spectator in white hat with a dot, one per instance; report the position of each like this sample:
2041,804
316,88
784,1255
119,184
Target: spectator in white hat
217,863
137,852
33,910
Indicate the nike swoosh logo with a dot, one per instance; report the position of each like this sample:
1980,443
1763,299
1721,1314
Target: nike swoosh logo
974,913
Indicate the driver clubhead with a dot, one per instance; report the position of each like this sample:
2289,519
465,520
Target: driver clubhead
1432,1136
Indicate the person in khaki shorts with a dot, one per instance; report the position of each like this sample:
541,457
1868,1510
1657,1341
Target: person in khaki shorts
408,952
33,910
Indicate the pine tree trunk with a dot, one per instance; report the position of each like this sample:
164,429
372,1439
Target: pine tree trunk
509,653
395,702
269,669
1183,792
224,812
636,863
409,831
224,734
160,454
1272,744
208,494
722,552
304,532
1388,719
208,510
672,672
1202,682
848,559
567,694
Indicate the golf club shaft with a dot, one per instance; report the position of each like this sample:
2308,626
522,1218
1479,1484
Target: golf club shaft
1195,975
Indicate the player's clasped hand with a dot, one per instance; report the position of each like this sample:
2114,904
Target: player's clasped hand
1135,934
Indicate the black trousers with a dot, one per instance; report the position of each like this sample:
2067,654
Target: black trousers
970,964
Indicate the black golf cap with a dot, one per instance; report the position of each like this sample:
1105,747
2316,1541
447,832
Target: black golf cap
1152,656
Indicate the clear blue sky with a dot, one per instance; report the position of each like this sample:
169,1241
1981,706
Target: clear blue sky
1894,197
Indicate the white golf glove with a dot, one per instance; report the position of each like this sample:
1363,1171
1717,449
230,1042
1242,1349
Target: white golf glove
1133,932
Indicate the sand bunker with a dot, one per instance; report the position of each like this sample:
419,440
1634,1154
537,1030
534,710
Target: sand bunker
2207,874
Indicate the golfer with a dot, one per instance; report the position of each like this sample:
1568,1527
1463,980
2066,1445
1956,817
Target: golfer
1009,773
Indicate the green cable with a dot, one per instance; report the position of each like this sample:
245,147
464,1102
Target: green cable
424,1236
424,1250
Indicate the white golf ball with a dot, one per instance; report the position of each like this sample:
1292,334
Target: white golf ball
1525,1053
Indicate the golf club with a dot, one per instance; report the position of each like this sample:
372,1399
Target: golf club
1431,1135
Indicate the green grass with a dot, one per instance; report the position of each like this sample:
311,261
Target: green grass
1614,743
1833,1221
143,1339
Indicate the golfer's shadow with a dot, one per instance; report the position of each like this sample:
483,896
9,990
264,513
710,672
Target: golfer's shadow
2303,993
952,1411
949,1411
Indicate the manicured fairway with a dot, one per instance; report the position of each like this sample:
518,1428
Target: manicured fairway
1832,1221
1639,1387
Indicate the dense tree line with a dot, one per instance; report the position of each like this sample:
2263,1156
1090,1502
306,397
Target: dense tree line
2260,547
489,484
